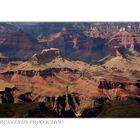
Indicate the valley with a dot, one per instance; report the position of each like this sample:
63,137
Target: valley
69,70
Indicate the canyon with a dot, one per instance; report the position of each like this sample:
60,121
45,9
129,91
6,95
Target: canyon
76,70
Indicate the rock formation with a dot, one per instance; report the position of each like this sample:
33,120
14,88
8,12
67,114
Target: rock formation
46,55
76,70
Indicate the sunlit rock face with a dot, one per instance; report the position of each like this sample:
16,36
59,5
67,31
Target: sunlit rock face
46,55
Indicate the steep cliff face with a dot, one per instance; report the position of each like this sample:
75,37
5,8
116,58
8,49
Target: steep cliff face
46,55
124,38
113,90
6,92
125,42
7,95
70,105
80,46
62,104
19,44
3,59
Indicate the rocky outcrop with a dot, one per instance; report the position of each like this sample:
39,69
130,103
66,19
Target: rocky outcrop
95,33
127,40
3,59
124,38
63,103
26,97
104,84
46,55
69,105
7,95
113,89
13,75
